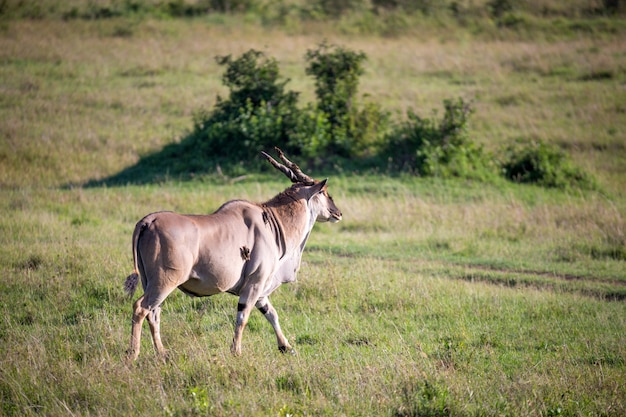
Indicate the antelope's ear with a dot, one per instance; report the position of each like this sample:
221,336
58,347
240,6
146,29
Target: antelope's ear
317,188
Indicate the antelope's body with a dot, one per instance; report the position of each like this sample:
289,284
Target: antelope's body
246,249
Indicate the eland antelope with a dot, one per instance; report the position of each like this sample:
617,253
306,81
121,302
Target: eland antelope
246,249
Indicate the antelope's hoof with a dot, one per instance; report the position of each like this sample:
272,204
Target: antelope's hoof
164,356
287,349
130,357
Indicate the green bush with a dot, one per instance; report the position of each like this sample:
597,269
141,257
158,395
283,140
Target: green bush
442,148
409,6
364,16
498,8
258,114
261,113
350,131
536,162
334,8
336,71
253,78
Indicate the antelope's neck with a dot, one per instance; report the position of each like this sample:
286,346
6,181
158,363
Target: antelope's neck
290,222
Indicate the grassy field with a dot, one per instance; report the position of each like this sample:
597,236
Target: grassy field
430,298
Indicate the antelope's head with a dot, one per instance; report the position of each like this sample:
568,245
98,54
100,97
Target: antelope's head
315,192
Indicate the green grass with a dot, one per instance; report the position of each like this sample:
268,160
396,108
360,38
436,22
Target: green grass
430,298
388,316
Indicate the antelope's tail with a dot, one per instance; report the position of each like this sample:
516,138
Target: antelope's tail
131,282
130,285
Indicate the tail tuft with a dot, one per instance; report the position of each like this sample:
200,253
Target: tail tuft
130,285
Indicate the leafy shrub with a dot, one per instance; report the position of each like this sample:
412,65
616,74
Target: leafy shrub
229,6
410,6
336,71
252,77
351,131
179,8
515,21
335,8
441,148
261,113
539,163
258,114
291,13
497,8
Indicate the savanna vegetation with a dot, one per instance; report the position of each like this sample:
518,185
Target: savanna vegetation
475,148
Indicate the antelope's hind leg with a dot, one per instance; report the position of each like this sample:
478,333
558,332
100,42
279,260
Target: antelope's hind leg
147,306
154,320
139,314
153,300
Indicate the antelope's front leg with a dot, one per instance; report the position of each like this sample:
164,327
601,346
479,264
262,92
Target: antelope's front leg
243,313
269,312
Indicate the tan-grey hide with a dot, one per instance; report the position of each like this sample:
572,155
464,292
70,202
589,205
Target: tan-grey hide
244,248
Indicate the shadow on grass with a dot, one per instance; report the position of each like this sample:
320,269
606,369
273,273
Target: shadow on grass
180,161
193,157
